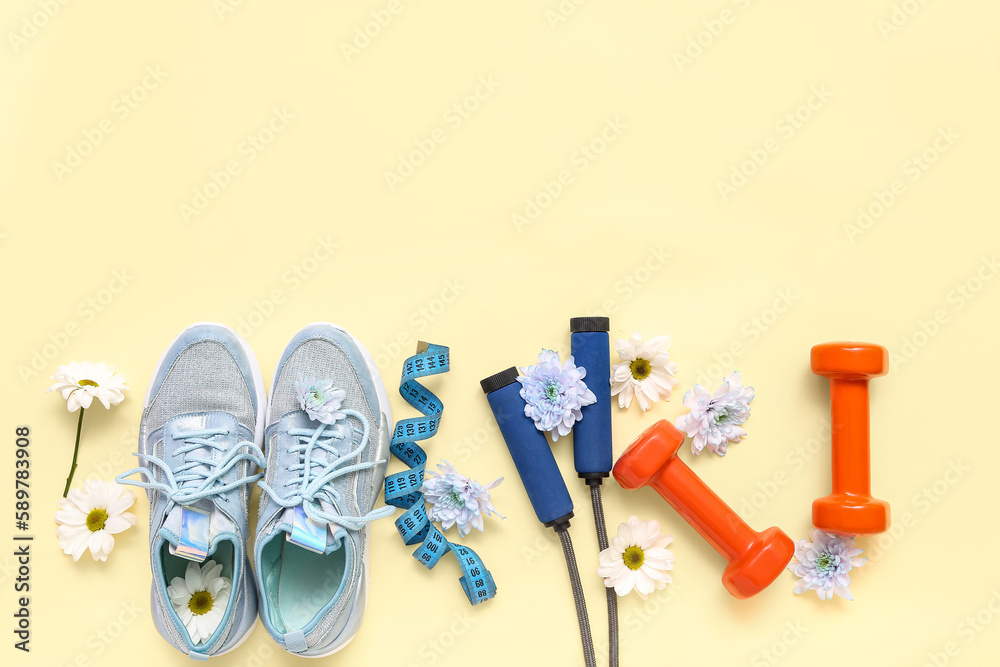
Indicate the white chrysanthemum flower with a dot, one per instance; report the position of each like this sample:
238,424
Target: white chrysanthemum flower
645,371
714,420
80,383
320,399
455,500
200,598
824,564
91,517
637,559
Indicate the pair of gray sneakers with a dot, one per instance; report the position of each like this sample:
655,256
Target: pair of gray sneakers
206,424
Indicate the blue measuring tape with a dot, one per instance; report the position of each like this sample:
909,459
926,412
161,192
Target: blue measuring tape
403,489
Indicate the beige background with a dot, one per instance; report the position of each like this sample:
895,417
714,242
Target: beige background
612,129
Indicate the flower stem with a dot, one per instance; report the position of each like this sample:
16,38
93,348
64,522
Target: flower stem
76,450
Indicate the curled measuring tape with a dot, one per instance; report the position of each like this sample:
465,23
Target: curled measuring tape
403,489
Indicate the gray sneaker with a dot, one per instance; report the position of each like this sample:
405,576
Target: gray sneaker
328,429
199,440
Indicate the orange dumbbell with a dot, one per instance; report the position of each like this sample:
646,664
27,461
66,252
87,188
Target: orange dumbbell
755,559
850,509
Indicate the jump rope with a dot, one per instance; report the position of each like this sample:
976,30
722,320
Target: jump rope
592,458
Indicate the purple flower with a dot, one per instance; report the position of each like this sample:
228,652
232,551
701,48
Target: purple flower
320,399
553,394
824,564
714,420
454,499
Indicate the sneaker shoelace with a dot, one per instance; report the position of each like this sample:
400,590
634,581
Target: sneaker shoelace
198,477
315,481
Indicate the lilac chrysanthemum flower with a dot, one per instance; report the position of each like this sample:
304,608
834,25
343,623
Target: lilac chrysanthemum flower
714,420
455,500
320,399
824,564
553,394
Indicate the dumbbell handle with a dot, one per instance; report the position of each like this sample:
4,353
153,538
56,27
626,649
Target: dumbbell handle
703,509
851,461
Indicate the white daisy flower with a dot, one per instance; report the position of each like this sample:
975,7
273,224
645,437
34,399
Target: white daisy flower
80,383
91,517
714,420
645,371
200,598
637,559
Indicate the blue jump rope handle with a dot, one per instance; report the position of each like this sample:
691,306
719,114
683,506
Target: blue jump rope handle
589,343
529,449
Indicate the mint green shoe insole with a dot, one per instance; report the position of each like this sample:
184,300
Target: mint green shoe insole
307,581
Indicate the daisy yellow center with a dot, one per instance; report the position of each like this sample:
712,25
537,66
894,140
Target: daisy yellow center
633,557
88,383
96,520
824,562
552,391
316,395
200,603
641,369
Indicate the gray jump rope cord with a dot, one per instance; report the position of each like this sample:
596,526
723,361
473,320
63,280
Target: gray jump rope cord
602,544
581,605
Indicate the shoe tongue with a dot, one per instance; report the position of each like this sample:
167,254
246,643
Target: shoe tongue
298,528
308,534
191,530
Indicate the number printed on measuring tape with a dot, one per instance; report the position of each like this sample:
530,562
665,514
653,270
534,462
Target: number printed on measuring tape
403,489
